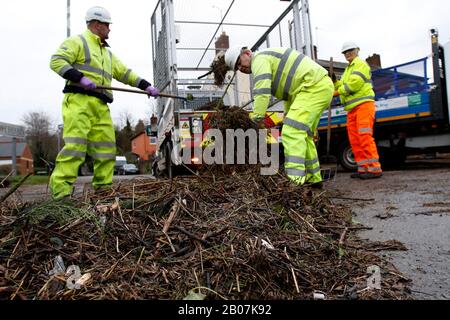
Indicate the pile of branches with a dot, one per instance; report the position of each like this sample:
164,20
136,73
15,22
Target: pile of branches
242,236
231,118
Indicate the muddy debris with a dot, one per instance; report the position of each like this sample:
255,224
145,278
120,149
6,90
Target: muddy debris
235,236
219,68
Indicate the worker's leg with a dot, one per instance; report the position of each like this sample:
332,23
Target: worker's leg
77,124
320,98
353,137
365,121
102,146
294,144
302,163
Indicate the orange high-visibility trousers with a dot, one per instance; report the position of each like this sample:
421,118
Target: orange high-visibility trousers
360,133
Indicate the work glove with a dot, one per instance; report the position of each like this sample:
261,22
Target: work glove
87,83
258,121
152,91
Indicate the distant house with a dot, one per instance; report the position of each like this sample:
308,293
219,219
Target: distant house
24,157
143,146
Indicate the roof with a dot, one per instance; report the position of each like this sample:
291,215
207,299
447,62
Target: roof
137,135
6,149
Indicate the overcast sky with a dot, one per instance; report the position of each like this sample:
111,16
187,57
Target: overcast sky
31,31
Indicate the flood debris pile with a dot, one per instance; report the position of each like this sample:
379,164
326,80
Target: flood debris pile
232,118
242,236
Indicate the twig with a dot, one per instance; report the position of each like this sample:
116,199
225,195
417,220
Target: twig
295,280
170,242
117,245
14,188
237,283
120,214
173,213
110,270
193,236
137,264
307,223
344,227
342,238
133,198
352,199
9,174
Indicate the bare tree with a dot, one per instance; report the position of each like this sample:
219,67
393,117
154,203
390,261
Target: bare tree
139,127
42,142
124,134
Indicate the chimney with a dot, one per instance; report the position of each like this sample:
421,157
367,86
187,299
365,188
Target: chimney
222,43
374,61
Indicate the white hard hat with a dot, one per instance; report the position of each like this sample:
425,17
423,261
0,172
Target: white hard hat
98,13
349,46
232,56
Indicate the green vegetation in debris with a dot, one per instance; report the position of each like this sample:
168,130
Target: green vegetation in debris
61,211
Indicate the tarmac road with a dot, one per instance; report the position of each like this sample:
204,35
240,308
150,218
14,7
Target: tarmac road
411,206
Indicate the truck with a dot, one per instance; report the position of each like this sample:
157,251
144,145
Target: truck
412,111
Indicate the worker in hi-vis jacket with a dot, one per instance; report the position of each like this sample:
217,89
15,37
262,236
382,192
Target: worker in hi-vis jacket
307,91
86,62
358,98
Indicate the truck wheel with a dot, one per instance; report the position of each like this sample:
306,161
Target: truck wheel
346,157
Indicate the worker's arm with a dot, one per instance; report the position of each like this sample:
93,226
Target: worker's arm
127,76
67,54
262,89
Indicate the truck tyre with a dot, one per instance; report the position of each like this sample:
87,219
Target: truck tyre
346,157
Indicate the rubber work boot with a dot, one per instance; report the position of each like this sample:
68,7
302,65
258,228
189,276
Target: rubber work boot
366,176
356,175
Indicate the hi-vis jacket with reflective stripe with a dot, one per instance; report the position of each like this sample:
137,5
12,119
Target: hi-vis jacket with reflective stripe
86,55
355,86
283,73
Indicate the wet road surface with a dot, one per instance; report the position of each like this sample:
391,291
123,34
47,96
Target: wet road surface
411,206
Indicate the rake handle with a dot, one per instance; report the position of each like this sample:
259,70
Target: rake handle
164,95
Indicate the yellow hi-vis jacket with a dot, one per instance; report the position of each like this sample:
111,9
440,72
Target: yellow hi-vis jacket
85,54
282,73
355,86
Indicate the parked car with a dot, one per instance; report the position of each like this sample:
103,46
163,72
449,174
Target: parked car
129,168
120,161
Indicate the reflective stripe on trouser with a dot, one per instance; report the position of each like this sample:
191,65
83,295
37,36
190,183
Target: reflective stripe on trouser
88,128
301,159
360,133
